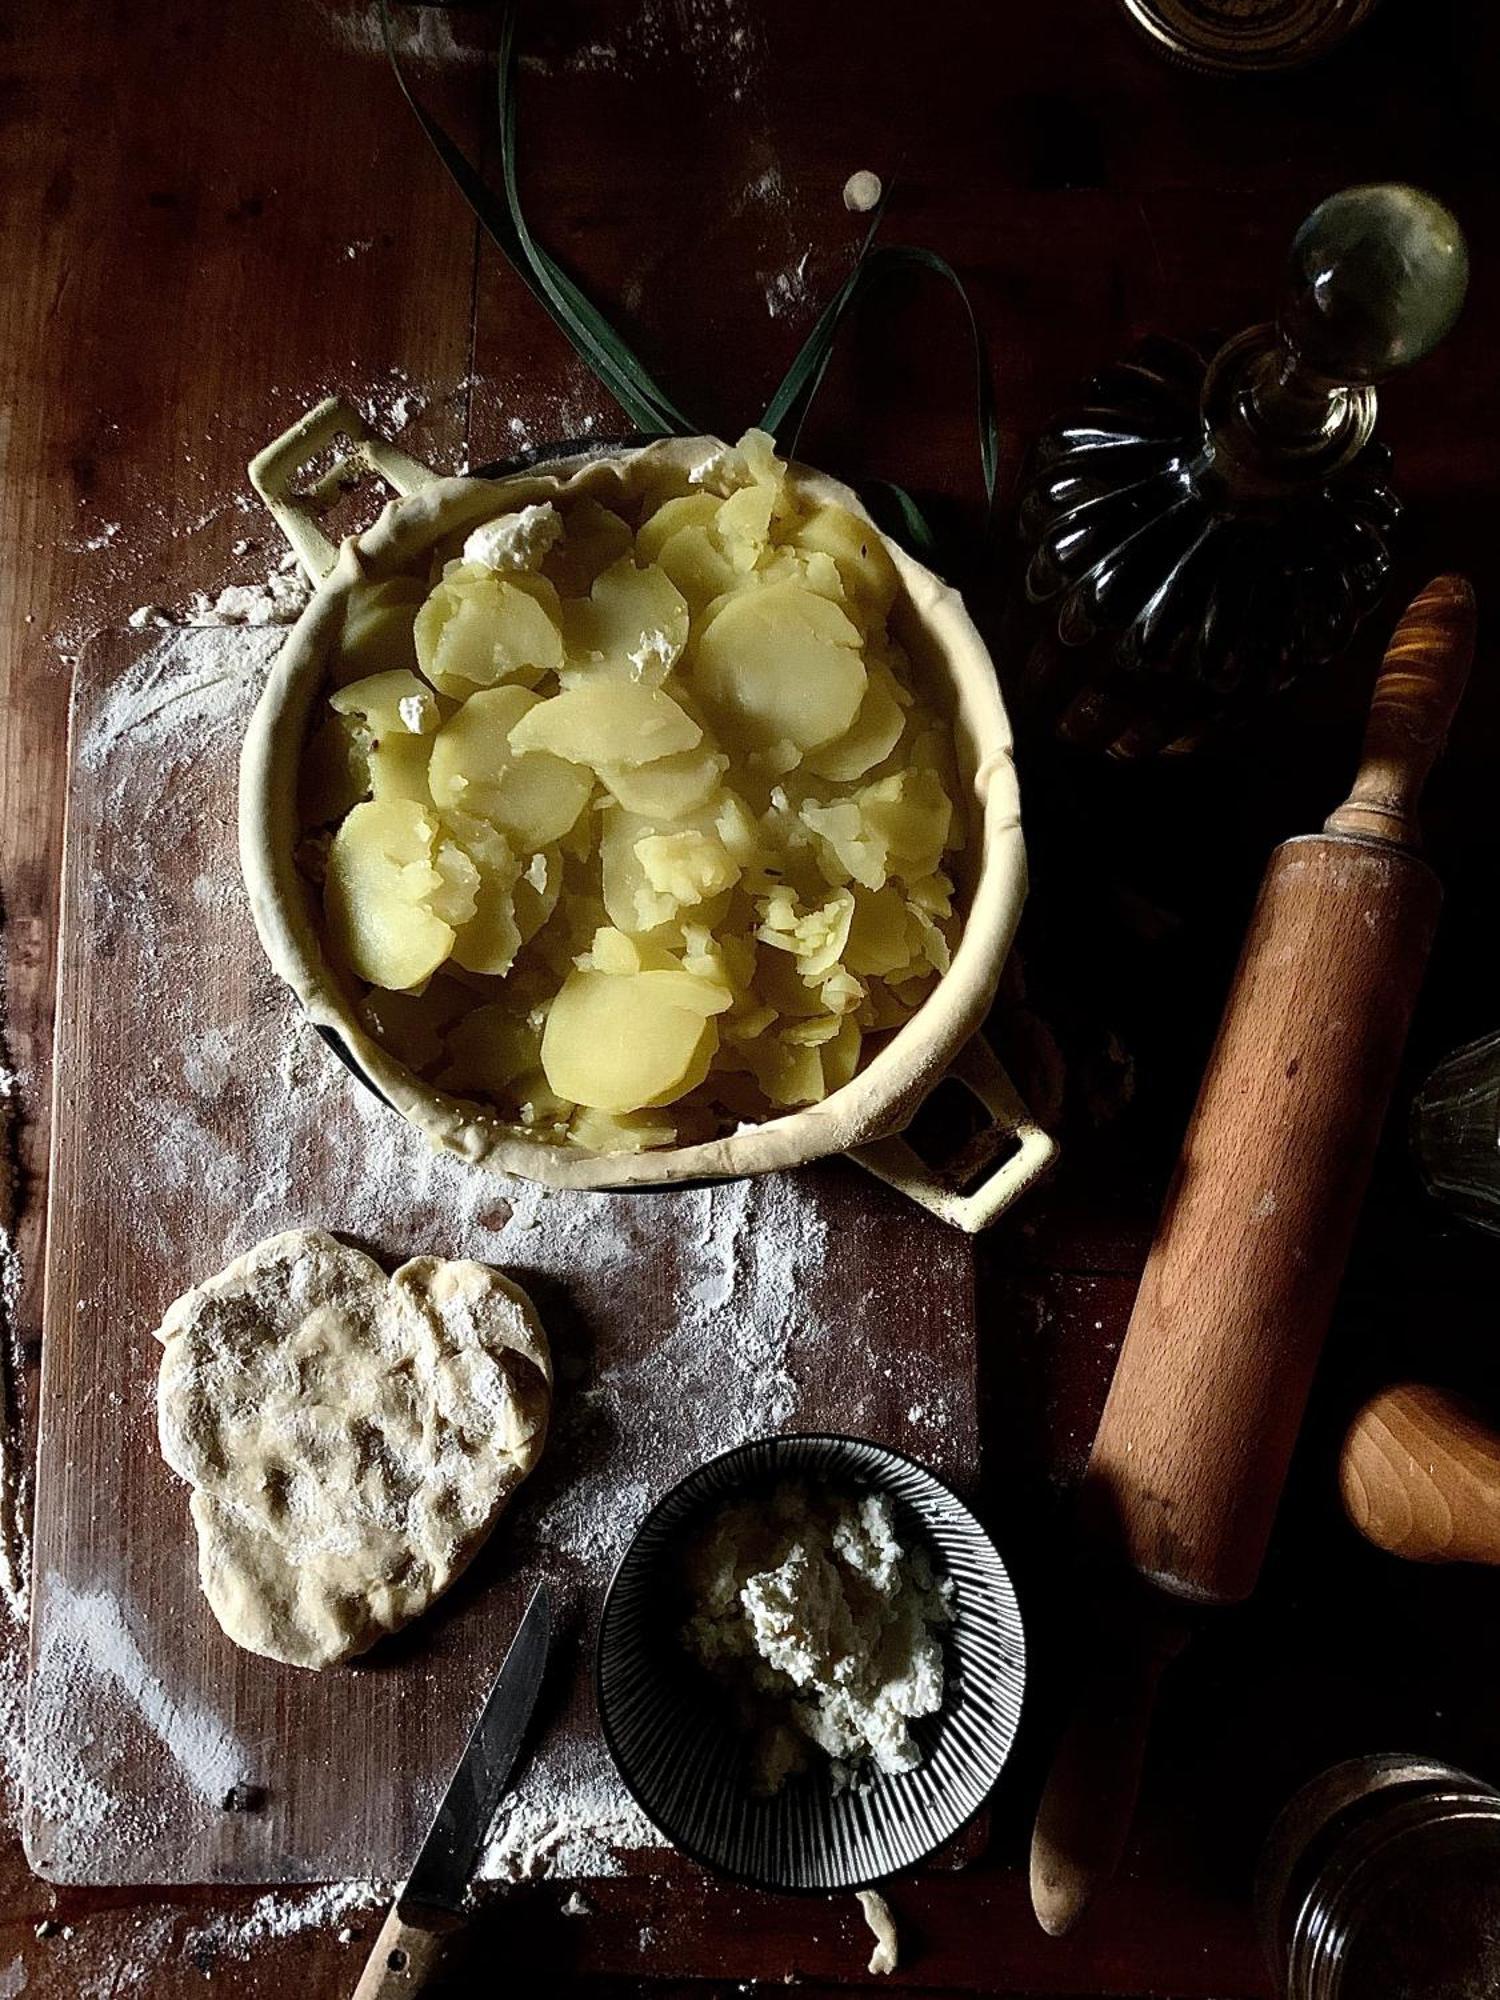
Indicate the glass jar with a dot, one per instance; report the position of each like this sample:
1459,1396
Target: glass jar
1455,1132
1381,1881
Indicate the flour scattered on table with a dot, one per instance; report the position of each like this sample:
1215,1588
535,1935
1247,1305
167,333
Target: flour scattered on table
85,1641
240,1934
422,35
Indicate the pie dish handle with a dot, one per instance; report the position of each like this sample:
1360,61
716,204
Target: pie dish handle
296,509
947,1187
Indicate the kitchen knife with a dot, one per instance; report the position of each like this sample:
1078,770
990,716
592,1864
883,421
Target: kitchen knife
430,1908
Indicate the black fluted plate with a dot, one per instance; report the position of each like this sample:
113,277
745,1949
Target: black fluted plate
683,1756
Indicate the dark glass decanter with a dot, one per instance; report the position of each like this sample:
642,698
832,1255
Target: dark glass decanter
1208,525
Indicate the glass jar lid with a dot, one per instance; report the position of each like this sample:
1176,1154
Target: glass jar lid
1248,36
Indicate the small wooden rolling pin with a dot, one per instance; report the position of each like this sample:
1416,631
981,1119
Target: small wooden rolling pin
1420,1476
1209,1390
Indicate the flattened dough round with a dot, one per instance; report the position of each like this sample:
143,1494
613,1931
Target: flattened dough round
350,1439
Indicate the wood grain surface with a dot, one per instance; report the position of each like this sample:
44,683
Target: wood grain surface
209,215
141,1714
1213,1377
1420,1476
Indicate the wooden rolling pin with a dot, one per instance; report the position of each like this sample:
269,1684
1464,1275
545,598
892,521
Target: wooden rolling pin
1209,1390
1420,1476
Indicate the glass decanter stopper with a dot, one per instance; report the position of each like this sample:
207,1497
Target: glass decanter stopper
1203,529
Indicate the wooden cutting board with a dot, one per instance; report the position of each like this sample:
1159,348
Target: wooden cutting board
195,1113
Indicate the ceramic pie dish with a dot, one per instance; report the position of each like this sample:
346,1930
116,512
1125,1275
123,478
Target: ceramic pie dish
866,1116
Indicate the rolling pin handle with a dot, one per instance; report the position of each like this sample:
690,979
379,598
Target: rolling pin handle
1420,1477
1416,695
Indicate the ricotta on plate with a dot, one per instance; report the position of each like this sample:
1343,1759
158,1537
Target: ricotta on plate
823,1626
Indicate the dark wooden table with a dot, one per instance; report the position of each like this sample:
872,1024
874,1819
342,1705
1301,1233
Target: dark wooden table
211,215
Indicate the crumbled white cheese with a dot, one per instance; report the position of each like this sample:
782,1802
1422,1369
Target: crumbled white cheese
652,657
811,1605
417,711
723,471
515,542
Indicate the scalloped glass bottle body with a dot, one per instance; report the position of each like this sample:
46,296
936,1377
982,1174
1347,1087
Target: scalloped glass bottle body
1172,599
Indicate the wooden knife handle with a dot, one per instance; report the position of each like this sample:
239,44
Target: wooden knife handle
403,1959
1420,1476
1426,666
1209,1391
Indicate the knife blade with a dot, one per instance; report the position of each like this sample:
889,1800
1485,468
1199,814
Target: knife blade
430,1905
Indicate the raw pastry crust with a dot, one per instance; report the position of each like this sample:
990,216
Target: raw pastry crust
350,1439
950,656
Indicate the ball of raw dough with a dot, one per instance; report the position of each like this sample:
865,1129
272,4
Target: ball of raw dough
350,1438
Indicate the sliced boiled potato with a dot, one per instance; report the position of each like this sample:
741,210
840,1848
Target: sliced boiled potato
453,894
490,1048
704,997
697,564
611,723
816,938
612,950
392,703
477,629
669,787
783,664
594,536
688,510
398,767
689,864
878,943
380,873
613,1043
537,889
755,883
850,848
335,773
744,524
870,577
634,903
377,634
415,1026
840,1057
490,939
758,450
913,815
632,626
533,797
790,1073
621,1132
871,737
